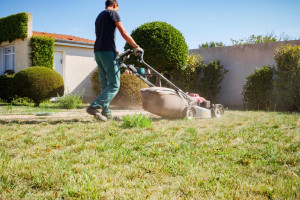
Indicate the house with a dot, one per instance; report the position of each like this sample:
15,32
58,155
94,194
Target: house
73,59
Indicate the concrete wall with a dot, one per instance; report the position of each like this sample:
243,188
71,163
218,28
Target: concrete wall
241,61
78,64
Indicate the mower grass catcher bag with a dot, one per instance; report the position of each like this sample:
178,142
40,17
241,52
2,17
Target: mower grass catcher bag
164,102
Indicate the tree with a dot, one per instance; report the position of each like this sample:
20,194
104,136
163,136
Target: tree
211,44
165,47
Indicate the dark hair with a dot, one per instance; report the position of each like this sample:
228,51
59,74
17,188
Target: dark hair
110,3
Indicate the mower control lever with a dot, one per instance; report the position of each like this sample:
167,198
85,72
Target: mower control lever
125,55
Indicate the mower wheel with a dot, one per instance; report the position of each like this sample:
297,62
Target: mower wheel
217,110
190,112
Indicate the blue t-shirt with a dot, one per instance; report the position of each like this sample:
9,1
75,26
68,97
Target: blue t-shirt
105,28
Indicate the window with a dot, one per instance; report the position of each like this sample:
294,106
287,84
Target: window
7,59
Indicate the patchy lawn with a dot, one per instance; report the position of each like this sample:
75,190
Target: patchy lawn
254,155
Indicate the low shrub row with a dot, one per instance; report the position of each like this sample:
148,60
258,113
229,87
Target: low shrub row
271,85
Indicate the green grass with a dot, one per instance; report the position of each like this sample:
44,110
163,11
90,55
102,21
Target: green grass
136,121
243,155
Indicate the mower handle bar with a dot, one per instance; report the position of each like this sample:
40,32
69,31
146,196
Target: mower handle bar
128,52
178,90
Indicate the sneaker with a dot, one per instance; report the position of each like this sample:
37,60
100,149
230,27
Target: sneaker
108,116
96,113
107,113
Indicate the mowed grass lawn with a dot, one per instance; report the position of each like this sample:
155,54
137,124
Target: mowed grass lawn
243,155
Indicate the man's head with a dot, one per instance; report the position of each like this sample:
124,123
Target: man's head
112,4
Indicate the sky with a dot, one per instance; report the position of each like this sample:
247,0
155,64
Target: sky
199,21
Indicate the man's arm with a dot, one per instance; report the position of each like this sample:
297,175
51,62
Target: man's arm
125,35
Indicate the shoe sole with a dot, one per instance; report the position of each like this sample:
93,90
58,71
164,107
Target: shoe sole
100,117
97,115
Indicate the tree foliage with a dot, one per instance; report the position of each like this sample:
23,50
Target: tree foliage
165,47
211,44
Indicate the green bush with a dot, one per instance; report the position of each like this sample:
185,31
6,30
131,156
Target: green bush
186,78
70,101
6,90
95,82
22,101
211,76
136,121
287,73
42,51
197,77
13,27
165,47
258,91
38,84
129,93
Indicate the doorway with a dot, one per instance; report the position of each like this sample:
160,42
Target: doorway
58,62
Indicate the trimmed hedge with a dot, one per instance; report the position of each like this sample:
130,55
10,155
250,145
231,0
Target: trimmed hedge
258,91
287,73
165,47
38,84
13,27
129,93
42,51
6,90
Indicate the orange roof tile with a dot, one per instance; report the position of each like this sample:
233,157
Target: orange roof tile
62,37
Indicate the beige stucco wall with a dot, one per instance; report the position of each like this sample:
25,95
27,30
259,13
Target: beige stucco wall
241,61
22,53
22,48
78,64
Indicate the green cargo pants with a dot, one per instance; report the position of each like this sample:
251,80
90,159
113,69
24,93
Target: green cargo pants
109,78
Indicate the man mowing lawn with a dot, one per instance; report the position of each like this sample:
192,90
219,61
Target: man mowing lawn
106,58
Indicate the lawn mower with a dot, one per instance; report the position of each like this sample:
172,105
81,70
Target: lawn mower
169,102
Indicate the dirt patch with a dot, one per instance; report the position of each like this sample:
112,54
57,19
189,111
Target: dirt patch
70,115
